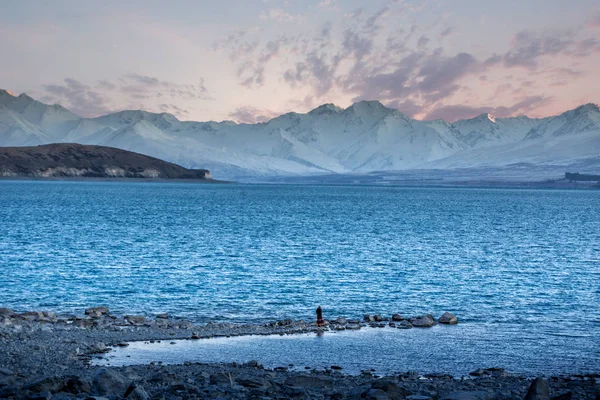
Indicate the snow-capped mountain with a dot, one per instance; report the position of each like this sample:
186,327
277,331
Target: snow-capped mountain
364,137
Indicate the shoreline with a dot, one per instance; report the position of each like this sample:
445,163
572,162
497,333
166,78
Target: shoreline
50,355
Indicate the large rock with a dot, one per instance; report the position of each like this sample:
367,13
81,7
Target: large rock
448,318
252,381
309,381
422,321
135,392
6,312
538,390
97,311
76,385
52,384
135,319
107,382
404,325
397,317
391,388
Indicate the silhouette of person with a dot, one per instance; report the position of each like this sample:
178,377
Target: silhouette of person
320,321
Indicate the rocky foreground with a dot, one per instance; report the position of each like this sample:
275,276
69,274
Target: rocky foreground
46,356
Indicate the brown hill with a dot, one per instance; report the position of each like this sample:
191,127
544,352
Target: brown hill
76,160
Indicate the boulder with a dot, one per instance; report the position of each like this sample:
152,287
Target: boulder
340,321
422,321
369,318
52,384
252,381
353,326
294,392
76,385
391,388
135,392
221,378
107,382
135,319
6,312
98,348
404,325
309,381
32,315
378,318
162,316
397,317
97,311
538,390
448,318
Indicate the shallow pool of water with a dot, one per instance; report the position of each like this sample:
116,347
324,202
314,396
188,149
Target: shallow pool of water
456,350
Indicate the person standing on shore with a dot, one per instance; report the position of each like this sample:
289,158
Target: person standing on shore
320,321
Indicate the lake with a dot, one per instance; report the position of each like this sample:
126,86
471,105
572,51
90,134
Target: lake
516,265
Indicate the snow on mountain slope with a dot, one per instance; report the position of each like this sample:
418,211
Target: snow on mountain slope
54,119
485,130
364,137
18,131
585,118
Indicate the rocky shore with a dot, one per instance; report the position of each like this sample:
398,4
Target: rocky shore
47,356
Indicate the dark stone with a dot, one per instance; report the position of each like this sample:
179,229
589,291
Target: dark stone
135,319
76,385
309,381
378,318
6,312
448,318
422,321
53,384
221,379
109,382
538,390
135,392
397,317
97,311
294,392
251,381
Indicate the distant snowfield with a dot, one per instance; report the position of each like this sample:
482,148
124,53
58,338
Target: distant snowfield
360,139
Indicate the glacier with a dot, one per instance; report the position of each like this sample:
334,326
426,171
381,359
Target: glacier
365,138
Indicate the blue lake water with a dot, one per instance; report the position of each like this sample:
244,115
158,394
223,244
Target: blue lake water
516,265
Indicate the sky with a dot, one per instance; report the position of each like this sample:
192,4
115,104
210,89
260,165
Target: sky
251,60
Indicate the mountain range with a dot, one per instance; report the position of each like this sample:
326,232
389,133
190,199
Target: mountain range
363,138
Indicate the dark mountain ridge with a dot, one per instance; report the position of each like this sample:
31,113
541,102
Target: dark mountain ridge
87,161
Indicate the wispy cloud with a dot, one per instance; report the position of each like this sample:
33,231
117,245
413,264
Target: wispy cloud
141,91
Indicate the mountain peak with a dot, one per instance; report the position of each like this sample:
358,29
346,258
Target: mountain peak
588,106
328,108
4,92
368,104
